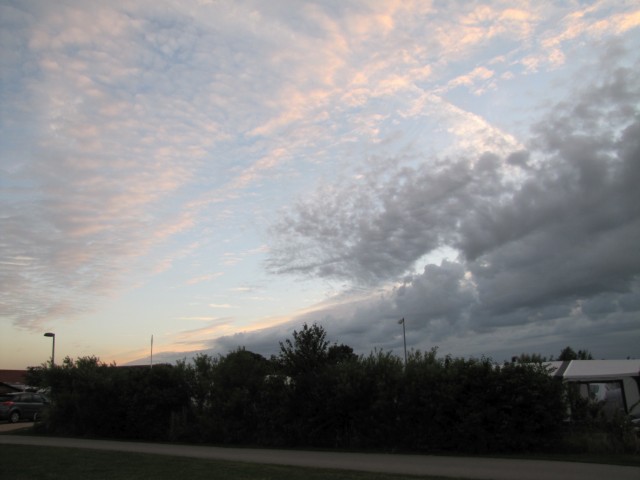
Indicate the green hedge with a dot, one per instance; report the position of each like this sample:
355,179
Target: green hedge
313,395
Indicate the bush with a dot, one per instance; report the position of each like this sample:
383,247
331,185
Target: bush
590,430
92,398
476,406
320,395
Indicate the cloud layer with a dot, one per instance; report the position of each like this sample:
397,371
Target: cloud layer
543,235
164,149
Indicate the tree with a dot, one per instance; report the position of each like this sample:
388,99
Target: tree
340,354
199,379
529,358
320,398
238,381
584,355
36,376
306,352
568,353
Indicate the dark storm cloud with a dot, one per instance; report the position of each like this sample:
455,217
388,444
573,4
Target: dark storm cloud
571,230
546,240
544,235
376,230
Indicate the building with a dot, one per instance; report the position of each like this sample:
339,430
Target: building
12,381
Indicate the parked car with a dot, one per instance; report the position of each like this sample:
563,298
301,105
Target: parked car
635,422
22,406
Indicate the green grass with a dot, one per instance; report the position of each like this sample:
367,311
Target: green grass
19,462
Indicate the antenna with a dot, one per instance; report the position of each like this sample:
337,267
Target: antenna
151,365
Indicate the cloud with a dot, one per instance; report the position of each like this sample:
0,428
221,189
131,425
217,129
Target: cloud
376,229
586,23
88,196
136,136
213,326
477,75
204,278
545,236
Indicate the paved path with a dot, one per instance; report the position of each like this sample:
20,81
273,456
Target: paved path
8,427
457,467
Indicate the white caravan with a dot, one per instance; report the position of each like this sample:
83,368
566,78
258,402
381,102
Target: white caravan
614,382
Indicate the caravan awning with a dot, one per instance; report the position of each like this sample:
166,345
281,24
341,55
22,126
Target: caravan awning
587,370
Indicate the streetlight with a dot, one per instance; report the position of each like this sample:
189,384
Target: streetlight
53,348
404,337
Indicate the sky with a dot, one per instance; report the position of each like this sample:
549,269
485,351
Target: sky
215,174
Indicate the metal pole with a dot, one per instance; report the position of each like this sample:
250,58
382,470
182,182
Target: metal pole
151,365
404,336
53,347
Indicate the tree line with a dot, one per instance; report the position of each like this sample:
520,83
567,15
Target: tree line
566,354
313,394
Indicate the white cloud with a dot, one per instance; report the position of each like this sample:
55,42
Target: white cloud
204,278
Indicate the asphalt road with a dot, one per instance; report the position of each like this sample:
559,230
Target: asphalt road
458,467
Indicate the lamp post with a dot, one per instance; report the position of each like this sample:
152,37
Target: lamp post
53,348
404,337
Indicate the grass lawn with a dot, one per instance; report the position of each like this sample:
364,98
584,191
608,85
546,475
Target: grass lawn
19,462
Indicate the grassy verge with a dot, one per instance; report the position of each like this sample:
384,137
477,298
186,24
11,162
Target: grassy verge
19,462
175,465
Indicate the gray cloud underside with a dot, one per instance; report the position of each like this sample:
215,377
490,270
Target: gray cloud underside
543,235
546,238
